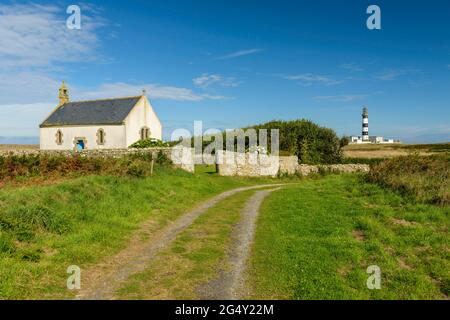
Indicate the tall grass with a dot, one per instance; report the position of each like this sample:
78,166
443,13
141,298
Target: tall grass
425,178
46,228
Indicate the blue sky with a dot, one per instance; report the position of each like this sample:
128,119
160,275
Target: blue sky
234,63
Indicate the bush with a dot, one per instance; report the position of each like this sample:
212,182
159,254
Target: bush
425,178
138,168
150,143
13,167
370,161
344,141
311,143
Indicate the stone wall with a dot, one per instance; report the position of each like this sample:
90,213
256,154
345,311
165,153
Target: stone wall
181,157
253,165
288,165
306,169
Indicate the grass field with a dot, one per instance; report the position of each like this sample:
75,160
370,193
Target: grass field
19,147
44,229
315,241
425,179
370,151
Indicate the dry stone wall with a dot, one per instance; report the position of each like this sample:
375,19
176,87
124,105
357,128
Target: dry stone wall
234,164
254,165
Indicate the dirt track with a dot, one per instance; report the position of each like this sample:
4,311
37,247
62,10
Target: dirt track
231,282
101,281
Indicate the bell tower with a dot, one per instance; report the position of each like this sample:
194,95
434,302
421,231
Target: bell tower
63,94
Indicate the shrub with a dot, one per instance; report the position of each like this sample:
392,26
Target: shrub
150,143
425,178
344,141
13,167
370,161
138,168
311,143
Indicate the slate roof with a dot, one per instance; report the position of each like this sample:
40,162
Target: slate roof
94,112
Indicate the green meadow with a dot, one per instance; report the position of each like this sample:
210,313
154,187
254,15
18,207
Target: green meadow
315,238
46,228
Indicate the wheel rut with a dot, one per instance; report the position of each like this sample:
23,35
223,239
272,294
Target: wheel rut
230,283
101,281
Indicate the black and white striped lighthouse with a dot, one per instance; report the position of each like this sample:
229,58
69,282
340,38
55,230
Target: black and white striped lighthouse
365,124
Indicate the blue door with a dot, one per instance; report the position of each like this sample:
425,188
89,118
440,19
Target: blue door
80,145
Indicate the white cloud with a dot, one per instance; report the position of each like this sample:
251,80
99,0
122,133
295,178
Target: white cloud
351,67
392,74
34,35
206,80
27,87
340,98
309,78
448,66
34,46
23,119
240,53
154,91
34,87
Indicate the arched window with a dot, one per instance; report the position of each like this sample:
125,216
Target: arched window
59,137
145,133
101,136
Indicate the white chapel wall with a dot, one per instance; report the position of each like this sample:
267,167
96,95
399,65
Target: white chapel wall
142,115
115,137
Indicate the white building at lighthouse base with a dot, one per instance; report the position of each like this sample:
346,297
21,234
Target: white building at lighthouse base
372,139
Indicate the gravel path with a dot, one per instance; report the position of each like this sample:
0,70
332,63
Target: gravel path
101,281
230,283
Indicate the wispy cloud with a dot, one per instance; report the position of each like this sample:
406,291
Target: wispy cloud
20,116
33,35
154,91
309,78
206,80
351,67
240,53
26,118
392,74
27,87
341,98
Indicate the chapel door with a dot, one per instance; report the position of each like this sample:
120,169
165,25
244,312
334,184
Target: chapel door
80,145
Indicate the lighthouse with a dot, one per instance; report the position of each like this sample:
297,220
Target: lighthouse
365,125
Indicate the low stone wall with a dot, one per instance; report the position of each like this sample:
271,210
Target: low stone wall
306,169
288,165
254,165
180,156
